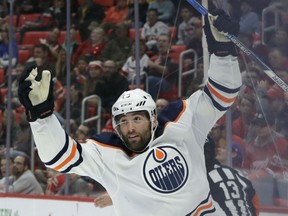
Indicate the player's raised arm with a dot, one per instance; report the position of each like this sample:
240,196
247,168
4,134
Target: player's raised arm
224,77
36,94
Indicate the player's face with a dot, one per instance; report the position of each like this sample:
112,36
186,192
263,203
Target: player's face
135,130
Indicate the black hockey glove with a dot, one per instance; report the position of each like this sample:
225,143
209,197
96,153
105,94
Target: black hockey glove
217,25
35,92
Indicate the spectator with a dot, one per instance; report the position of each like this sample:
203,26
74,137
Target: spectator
40,58
3,162
129,67
80,71
60,67
94,82
91,48
51,41
249,20
160,104
197,81
15,76
275,97
77,186
282,114
15,128
23,140
281,7
111,77
221,181
267,145
59,94
76,97
115,15
278,58
281,121
143,7
24,179
55,182
83,132
279,38
251,78
118,49
241,125
259,49
74,43
218,134
4,50
189,28
166,10
162,72
153,28
88,12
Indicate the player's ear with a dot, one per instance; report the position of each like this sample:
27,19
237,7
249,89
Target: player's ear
155,122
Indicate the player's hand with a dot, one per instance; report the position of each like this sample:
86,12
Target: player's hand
36,93
103,201
217,25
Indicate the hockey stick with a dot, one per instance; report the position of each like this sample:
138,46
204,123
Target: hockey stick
268,71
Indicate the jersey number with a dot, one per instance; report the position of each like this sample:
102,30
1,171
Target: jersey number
230,190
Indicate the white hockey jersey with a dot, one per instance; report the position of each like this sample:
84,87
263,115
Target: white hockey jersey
170,177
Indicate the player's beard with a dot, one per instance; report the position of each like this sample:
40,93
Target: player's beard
140,144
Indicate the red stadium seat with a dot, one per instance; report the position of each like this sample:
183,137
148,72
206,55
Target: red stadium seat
3,92
63,37
173,32
2,76
22,19
176,51
28,17
132,33
24,55
32,37
106,3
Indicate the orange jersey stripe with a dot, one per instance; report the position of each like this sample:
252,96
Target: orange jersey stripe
219,96
203,207
69,158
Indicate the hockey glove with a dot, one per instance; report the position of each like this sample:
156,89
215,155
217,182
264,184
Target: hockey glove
35,92
217,25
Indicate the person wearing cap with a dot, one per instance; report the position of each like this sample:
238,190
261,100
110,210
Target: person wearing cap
93,80
268,143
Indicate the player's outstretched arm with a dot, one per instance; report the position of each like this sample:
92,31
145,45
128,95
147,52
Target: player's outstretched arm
224,77
36,95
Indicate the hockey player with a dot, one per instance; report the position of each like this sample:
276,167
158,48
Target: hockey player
144,176
232,192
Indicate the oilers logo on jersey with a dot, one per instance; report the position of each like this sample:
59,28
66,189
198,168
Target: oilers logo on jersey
165,169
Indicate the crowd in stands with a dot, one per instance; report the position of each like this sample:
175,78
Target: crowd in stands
103,63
